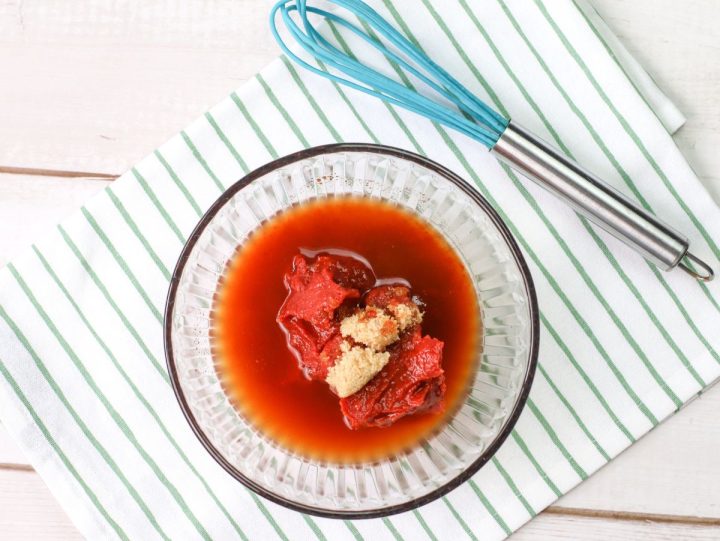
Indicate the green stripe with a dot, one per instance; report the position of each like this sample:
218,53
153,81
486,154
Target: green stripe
389,107
463,55
528,98
554,437
351,107
181,186
313,103
553,283
596,292
58,450
314,527
588,381
283,112
133,226
81,424
268,516
509,480
459,519
524,448
687,317
121,263
106,294
353,530
116,417
390,526
621,171
561,293
489,507
574,414
250,120
603,301
135,390
424,525
226,141
573,107
155,201
628,129
201,161
551,228
651,314
705,289
611,53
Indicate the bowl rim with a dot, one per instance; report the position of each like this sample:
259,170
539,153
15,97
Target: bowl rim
507,236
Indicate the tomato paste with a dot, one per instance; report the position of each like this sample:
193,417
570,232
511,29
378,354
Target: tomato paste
325,289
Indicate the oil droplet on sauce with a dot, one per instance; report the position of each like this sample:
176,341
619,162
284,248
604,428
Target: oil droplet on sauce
261,375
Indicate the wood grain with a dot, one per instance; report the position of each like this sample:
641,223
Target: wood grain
88,88
29,512
97,85
678,43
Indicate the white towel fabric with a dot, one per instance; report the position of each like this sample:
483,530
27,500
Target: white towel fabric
83,386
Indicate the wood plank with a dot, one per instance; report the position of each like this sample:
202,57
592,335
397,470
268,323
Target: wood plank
97,85
118,79
28,511
677,43
84,66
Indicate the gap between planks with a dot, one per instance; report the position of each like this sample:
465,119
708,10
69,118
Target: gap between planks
31,171
631,516
5,466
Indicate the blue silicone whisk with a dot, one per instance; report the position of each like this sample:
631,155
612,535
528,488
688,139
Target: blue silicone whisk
466,113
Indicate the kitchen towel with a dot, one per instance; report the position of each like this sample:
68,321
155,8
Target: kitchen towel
83,384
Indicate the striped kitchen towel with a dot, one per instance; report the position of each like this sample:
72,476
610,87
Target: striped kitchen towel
83,386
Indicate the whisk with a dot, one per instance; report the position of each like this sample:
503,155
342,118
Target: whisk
512,144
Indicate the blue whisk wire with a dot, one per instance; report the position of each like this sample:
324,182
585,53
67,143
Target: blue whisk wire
471,116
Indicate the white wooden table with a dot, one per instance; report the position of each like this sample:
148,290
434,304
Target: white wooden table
89,87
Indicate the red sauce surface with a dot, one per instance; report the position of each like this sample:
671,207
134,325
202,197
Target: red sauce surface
262,375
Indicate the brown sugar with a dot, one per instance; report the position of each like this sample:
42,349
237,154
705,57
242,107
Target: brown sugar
356,366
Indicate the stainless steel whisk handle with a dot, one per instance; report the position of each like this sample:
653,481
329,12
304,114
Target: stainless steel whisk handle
598,202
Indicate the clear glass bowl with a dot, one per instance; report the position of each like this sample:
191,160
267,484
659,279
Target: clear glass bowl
507,358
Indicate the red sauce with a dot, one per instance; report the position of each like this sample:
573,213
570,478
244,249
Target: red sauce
261,374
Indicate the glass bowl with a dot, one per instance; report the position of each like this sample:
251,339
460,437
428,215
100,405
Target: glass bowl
499,386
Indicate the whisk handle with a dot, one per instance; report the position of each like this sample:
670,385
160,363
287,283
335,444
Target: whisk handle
596,200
